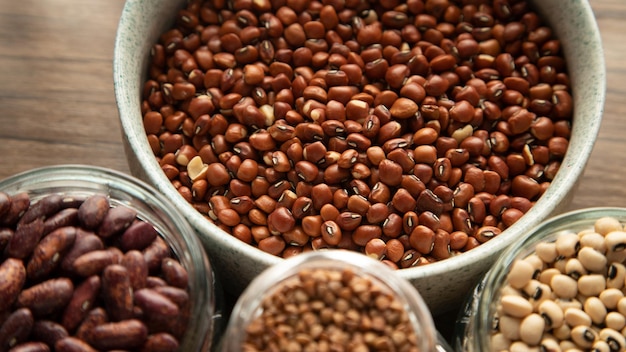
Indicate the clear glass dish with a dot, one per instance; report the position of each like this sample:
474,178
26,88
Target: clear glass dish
248,306
82,181
475,321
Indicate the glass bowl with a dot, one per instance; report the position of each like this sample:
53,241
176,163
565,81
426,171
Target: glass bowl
81,181
294,271
477,319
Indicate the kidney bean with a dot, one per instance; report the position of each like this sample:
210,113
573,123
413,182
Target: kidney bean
93,210
46,206
16,328
47,254
5,203
25,239
14,274
160,342
48,332
138,236
117,292
116,220
72,344
82,301
46,297
125,334
94,262
82,245
14,208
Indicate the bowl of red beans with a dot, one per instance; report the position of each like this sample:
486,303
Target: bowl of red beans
427,134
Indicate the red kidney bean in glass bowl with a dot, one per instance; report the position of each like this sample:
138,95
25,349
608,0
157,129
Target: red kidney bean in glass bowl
409,131
92,260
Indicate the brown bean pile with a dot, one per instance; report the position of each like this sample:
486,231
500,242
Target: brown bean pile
409,130
330,310
567,295
81,275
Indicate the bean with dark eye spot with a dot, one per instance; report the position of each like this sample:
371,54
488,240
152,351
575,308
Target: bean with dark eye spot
486,233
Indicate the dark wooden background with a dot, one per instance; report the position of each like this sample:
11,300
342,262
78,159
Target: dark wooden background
57,103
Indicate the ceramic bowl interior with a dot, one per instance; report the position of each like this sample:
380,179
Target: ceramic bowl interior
442,284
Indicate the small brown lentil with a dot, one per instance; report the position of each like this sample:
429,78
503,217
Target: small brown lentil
330,307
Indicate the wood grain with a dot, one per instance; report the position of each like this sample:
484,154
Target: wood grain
56,101
57,104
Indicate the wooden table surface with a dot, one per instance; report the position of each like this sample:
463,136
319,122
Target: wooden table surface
57,103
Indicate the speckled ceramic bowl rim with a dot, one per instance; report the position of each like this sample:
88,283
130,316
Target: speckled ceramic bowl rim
587,73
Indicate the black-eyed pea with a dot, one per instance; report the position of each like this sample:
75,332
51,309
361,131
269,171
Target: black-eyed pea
566,303
560,264
551,313
593,240
615,321
607,224
583,336
520,274
510,327
510,291
536,262
610,297
615,340
499,342
574,268
601,346
549,344
519,346
596,310
584,232
516,306
569,346
615,256
616,276
564,286
615,240
531,329
591,285
546,251
567,244
562,333
537,292
577,317
592,260
546,275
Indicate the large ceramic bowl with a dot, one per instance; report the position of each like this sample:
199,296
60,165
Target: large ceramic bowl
442,284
